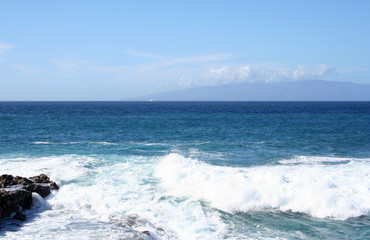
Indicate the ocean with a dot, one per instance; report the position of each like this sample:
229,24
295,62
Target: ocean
191,170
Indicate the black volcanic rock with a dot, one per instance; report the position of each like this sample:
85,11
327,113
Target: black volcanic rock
8,180
19,216
42,178
42,190
14,201
16,193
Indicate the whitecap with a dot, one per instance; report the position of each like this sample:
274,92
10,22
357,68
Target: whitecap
336,191
103,143
45,143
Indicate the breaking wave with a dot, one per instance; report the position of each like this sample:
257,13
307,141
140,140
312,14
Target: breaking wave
338,191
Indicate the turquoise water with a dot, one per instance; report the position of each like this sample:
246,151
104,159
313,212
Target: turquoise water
192,170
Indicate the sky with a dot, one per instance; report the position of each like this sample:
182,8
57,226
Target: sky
110,50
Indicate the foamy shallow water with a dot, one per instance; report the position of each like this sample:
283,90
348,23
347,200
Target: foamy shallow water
176,197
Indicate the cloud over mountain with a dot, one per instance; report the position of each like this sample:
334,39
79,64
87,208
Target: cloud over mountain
249,73
305,90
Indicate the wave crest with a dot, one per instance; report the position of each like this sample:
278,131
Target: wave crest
338,191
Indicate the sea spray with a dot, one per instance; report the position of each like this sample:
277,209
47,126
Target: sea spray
337,191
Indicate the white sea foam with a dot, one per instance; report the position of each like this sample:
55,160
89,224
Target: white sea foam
71,143
88,197
103,143
312,160
39,203
125,188
58,168
99,193
149,143
56,143
339,191
45,143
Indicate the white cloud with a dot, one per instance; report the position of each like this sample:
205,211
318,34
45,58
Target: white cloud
163,71
244,72
4,47
186,82
220,73
249,73
303,72
169,73
226,74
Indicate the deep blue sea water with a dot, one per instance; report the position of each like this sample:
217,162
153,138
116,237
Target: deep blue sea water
191,170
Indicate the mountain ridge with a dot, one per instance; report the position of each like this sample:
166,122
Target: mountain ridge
309,90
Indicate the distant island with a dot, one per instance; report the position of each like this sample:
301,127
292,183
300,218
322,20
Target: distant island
310,90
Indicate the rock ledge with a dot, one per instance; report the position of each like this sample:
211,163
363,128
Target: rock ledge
16,193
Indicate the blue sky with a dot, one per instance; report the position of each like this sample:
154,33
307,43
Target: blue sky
109,50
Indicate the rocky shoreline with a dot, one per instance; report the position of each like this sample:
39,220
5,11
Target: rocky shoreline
16,193
16,196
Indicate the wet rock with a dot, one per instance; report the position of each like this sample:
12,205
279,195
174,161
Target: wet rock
42,190
22,181
54,186
8,180
133,222
42,178
14,201
16,193
20,216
